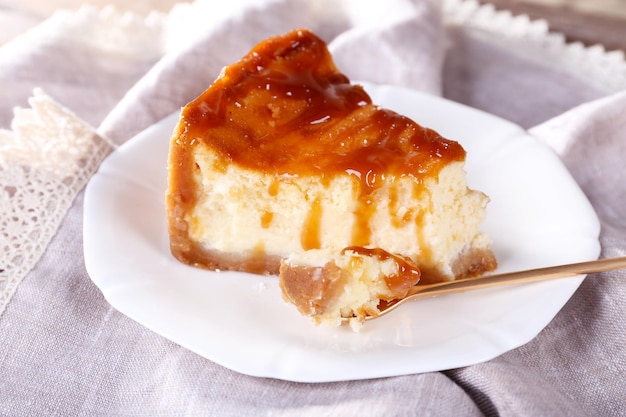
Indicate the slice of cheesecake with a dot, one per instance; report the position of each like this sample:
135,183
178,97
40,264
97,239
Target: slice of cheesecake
351,284
282,155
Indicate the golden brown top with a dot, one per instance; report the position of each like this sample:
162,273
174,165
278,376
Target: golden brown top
284,108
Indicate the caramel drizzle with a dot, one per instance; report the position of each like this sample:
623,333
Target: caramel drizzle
266,219
285,109
311,232
408,272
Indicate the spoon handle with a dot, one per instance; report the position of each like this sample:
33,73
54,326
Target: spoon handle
519,277
509,278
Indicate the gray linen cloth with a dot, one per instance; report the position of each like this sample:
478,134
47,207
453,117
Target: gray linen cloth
64,351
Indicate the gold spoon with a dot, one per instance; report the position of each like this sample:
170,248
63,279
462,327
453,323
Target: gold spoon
508,278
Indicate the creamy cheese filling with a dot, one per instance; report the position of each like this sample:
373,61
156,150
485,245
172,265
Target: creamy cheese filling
431,220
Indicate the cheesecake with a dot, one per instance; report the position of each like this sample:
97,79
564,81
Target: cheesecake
283,166
346,286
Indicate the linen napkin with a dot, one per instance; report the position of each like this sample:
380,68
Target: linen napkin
65,351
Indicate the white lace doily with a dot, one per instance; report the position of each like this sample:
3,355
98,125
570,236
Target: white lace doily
45,160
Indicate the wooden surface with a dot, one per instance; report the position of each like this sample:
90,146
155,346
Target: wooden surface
594,24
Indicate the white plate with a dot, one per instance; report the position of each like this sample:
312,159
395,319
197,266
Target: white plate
537,217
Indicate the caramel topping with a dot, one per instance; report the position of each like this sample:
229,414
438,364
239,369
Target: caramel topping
273,189
408,273
361,230
285,109
310,238
266,219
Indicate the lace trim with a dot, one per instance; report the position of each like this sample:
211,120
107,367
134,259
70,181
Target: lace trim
45,161
533,40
